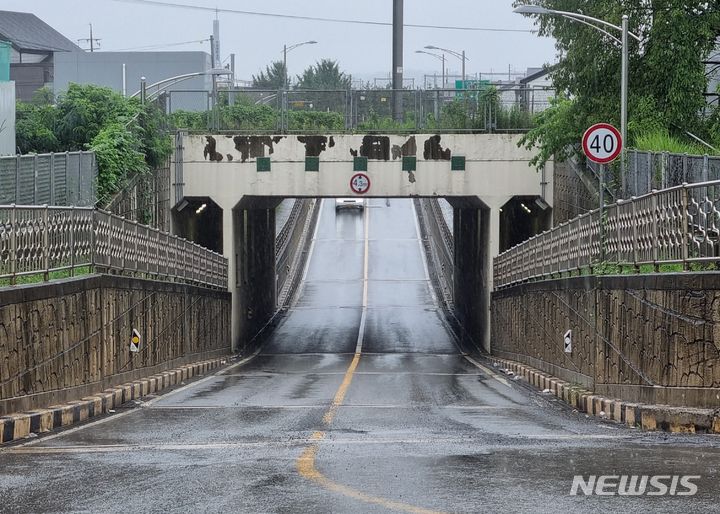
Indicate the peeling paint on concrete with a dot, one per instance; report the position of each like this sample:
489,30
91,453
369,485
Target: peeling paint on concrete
411,177
210,152
434,150
229,157
315,145
252,147
375,148
409,149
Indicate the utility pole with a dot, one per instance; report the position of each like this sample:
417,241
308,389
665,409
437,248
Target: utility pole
398,59
90,40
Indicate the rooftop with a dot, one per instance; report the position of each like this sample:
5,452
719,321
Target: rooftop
28,33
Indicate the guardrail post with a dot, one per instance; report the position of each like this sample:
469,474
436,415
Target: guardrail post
653,208
46,244
706,168
123,249
52,178
13,243
636,266
685,227
35,180
72,241
17,180
93,241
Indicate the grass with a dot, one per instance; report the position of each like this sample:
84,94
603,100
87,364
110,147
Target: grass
661,141
38,278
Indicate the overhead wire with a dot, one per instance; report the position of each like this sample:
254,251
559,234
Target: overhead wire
176,5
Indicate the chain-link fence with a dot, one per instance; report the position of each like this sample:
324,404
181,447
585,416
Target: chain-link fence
492,109
53,179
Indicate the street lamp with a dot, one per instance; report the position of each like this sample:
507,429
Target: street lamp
459,55
287,49
436,56
623,29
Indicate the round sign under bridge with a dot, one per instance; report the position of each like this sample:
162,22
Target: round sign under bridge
602,143
360,184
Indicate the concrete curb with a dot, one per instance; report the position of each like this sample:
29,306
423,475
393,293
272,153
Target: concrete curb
19,426
647,417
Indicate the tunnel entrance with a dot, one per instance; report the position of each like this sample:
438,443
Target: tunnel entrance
199,220
247,234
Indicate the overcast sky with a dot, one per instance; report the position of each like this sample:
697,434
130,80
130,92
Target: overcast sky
363,50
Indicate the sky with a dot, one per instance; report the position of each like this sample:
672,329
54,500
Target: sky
362,50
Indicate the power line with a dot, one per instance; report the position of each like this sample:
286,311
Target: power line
315,18
165,45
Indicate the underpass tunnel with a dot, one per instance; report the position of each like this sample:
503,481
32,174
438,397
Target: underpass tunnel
522,218
199,220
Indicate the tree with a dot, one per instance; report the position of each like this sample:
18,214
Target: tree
273,77
667,74
325,74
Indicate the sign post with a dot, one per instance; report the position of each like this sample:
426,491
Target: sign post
602,143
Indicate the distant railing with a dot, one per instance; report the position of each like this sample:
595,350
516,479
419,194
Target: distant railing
50,241
145,199
56,179
500,108
679,225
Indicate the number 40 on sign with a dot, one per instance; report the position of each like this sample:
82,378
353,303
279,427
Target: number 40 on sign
602,143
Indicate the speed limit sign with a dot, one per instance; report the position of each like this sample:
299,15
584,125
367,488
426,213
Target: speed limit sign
602,143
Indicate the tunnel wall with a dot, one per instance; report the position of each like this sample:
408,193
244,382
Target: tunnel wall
69,339
641,338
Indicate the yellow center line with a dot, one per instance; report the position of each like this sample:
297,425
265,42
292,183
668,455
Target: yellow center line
305,464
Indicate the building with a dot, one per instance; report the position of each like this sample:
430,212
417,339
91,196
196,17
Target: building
35,46
536,89
122,71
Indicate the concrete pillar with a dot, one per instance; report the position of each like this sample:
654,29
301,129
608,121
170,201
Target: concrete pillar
470,275
229,247
493,250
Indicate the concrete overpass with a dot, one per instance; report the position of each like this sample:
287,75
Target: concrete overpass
240,179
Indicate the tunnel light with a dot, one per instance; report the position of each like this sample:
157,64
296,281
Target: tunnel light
525,207
201,208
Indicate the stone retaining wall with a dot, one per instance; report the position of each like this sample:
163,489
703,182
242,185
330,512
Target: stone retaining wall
642,338
69,339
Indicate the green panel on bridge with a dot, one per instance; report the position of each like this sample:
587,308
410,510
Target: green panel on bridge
263,164
360,164
312,163
457,163
409,164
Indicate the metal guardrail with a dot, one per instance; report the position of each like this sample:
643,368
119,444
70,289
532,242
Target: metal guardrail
678,225
56,179
43,240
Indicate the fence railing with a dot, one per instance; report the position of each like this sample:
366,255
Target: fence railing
145,199
496,109
55,179
648,171
678,225
42,240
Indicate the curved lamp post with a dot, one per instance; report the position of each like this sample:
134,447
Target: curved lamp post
436,56
624,31
287,49
459,55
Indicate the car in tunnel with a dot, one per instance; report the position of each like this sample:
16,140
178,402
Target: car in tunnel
349,203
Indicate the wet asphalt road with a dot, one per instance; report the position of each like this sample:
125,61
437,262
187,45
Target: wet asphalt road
360,401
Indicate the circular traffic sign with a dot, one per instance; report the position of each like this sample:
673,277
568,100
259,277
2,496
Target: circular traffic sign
602,143
360,183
